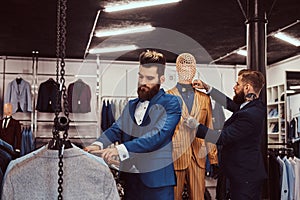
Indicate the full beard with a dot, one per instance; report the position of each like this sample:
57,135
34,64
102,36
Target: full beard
145,93
239,98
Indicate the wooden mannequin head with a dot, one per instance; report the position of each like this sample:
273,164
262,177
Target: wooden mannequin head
7,109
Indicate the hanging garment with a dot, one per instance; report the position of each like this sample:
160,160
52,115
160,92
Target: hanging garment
11,133
19,95
47,96
107,118
79,97
84,176
27,142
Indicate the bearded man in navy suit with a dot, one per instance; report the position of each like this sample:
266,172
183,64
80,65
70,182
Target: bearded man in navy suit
144,132
241,155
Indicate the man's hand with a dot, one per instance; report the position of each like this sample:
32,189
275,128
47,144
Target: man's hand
110,155
91,148
191,123
198,84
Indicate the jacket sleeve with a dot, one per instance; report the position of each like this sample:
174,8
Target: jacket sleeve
28,97
225,101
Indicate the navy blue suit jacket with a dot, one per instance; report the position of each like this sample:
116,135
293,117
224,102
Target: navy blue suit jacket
149,144
241,139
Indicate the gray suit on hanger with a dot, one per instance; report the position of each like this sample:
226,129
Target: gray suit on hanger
19,93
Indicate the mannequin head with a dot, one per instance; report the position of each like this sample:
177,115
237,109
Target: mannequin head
186,68
7,109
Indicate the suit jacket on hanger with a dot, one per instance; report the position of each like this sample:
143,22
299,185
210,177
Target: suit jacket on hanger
79,97
46,101
19,94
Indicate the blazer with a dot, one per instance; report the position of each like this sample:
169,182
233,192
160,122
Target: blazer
149,144
19,93
12,133
185,144
79,97
241,139
46,101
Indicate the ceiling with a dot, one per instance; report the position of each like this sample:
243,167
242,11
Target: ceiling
211,30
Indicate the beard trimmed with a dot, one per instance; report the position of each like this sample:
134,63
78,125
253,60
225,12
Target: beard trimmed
239,98
147,94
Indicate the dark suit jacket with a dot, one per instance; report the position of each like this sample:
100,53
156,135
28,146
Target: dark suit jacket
241,139
46,101
79,97
149,144
12,134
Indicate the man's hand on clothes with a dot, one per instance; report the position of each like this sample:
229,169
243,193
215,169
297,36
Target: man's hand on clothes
215,171
91,148
198,84
191,122
110,155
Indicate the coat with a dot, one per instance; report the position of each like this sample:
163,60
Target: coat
241,137
150,143
185,144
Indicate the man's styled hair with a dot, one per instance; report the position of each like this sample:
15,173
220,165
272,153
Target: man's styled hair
150,58
254,78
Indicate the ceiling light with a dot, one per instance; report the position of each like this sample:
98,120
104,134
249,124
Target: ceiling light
122,31
295,87
290,91
113,49
137,4
287,38
242,52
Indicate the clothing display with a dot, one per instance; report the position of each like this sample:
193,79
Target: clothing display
79,97
284,175
47,96
107,117
10,132
27,142
34,176
18,93
189,153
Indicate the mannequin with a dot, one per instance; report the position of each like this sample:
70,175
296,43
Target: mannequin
189,153
10,129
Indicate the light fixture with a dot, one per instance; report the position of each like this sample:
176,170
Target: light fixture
242,52
123,31
287,38
295,87
136,4
290,91
113,49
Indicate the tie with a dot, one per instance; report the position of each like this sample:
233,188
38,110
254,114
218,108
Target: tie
5,121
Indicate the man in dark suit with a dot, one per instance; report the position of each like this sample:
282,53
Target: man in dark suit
10,129
241,135
144,132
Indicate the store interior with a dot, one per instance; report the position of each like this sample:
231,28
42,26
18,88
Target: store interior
214,32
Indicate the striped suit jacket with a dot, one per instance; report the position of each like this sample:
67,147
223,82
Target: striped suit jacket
185,144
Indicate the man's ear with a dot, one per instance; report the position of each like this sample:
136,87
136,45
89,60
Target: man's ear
162,79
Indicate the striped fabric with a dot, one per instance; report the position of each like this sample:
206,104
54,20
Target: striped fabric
189,153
